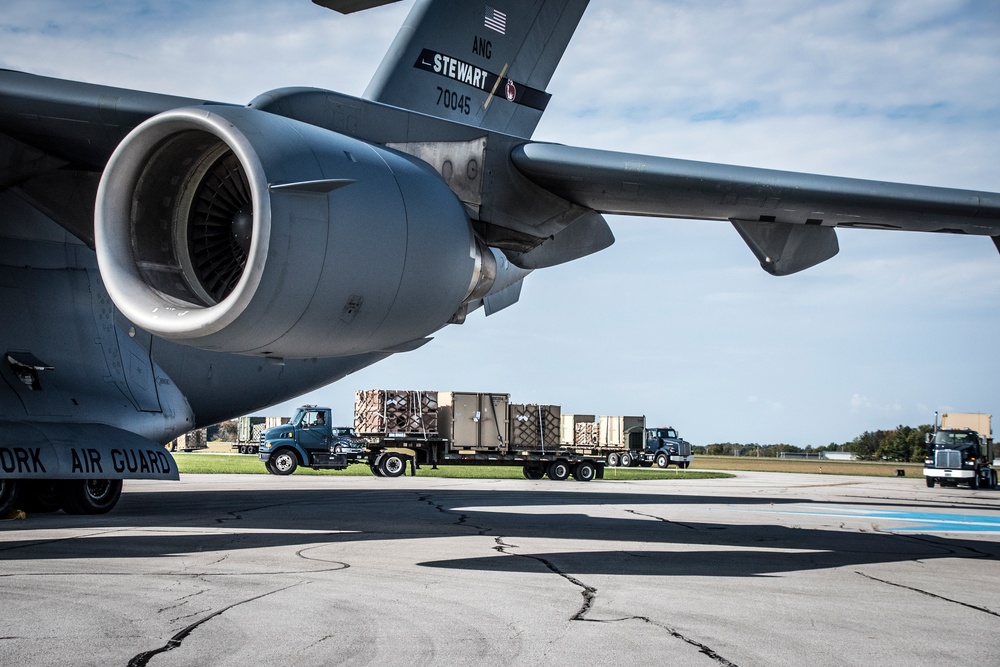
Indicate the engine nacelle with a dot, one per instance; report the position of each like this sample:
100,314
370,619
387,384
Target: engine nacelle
235,230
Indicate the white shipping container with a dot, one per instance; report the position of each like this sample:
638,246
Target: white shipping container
615,430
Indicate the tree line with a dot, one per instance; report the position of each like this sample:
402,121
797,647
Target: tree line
902,444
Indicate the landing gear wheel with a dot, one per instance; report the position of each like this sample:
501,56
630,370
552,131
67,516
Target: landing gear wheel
39,496
558,470
930,482
283,462
613,460
392,465
625,460
89,496
532,472
584,471
662,461
8,496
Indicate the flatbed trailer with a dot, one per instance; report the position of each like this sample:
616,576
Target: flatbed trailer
390,456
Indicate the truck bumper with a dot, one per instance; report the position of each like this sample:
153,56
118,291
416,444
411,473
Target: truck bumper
949,473
681,459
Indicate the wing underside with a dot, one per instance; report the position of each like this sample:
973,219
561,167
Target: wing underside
788,219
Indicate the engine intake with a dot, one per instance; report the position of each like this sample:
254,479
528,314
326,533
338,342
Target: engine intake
235,230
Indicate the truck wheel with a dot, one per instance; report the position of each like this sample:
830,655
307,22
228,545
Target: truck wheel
89,496
930,482
625,460
974,481
662,461
558,470
392,465
284,462
613,460
993,479
375,470
584,471
531,472
685,464
8,496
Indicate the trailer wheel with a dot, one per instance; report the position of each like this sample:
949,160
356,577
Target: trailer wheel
930,482
662,461
89,496
284,462
584,471
613,460
531,472
392,465
558,470
625,460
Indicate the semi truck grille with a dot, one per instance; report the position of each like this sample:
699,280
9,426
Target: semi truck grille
947,458
684,448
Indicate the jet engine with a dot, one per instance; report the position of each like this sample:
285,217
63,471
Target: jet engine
235,230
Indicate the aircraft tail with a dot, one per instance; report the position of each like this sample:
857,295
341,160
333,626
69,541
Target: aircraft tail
476,63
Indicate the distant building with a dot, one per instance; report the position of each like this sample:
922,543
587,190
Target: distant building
840,456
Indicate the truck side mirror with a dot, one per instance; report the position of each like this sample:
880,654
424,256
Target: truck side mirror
928,438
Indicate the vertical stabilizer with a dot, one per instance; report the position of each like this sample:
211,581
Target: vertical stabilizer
480,63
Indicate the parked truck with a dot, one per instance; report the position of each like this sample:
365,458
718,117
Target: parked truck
960,451
626,441
249,429
308,440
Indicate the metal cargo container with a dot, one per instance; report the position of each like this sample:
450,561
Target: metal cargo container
385,411
615,430
567,427
977,421
470,420
534,426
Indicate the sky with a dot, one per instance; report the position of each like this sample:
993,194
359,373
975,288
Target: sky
676,321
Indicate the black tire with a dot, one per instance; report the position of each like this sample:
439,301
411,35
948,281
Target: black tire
686,464
974,481
662,461
584,471
930,482
39,496
613,460
9,492
375,470
993,479
558,470
625,460
284,462
531,472
392,465
89,496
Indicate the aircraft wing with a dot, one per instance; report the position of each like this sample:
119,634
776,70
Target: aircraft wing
788,219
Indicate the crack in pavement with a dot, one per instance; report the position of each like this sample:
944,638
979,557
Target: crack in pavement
589,594
143,658
927,593
660,518
462,518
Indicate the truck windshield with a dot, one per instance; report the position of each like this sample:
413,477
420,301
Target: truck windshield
954,439
663,433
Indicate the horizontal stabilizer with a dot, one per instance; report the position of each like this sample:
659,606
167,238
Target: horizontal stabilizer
784,248
47,450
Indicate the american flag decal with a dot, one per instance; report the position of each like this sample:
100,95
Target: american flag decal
495,20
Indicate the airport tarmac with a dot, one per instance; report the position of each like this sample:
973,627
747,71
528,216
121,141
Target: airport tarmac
762,569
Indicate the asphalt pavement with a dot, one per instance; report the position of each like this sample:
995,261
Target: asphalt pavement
762,569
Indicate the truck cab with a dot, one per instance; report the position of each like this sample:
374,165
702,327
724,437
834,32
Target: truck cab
958,455
664,447
309,440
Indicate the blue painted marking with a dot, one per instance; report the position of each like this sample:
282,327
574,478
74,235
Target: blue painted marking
933,522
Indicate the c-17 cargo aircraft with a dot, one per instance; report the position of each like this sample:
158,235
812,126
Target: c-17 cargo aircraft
167,262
